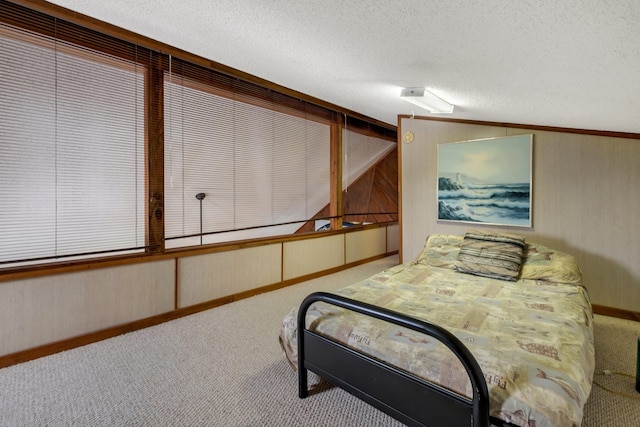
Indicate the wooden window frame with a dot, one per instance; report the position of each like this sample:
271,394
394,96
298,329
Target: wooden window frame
66,25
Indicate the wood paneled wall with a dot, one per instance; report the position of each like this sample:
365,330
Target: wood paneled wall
375,191
585,200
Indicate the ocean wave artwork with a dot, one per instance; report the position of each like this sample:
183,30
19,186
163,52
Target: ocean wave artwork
489,203
486,183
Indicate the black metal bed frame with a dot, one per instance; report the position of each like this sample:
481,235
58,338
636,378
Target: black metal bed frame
405,397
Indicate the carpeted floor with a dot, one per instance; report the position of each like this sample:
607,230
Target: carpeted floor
223,368
614,401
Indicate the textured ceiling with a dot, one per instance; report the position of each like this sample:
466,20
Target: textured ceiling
569,63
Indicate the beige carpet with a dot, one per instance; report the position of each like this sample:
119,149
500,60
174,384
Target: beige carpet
223,367
617,404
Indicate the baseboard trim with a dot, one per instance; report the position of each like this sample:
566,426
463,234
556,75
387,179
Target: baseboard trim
616,312
114,331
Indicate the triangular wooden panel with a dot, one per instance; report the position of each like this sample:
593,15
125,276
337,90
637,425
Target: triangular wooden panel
373,197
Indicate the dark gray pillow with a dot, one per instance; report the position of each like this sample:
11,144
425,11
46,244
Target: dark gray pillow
495,255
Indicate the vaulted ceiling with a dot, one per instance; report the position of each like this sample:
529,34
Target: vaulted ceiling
569,63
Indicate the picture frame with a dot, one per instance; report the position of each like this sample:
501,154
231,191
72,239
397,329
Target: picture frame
486,181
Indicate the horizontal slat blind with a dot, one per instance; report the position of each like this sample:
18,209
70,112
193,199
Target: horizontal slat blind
84,125
72,150
260,164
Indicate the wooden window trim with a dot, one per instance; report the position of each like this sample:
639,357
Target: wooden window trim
54,21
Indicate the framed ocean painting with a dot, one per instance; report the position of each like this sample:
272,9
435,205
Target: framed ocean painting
486,181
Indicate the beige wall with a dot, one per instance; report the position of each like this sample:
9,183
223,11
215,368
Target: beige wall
585,200
56,307
207,277
303,257
52,308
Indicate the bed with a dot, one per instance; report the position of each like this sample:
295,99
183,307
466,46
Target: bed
481,329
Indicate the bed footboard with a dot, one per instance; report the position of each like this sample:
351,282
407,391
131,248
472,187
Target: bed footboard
407,398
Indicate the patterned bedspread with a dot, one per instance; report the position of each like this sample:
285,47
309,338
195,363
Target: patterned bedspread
532,338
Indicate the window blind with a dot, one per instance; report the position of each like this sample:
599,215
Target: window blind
264,170
72,150
84,125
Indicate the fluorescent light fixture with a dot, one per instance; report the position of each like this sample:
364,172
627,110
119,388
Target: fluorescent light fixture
424,99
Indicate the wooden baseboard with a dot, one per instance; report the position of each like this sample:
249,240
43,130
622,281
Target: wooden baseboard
79,341
616,312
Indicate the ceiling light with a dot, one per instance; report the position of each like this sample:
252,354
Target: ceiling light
424,99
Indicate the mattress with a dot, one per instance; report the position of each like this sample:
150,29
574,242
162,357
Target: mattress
533,337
